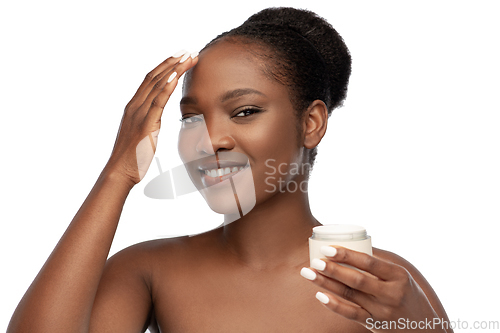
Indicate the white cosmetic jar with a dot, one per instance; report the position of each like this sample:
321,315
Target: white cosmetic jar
349,236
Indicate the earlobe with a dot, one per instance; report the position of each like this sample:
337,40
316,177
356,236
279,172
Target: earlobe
315,123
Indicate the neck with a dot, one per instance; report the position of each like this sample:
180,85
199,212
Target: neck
274,233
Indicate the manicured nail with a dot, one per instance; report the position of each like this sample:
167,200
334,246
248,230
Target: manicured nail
318,264
171,77
194,55
185,57
322,297
328,251
178,54
307,273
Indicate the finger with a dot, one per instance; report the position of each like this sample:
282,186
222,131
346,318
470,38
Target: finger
346,310
377,267
325,279
347,275
168,84
153,77
184,64
158,73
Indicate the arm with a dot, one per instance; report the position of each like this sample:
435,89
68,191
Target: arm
61,297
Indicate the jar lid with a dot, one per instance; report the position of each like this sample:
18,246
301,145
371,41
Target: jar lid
339,232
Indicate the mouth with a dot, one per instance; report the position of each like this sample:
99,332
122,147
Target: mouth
212,174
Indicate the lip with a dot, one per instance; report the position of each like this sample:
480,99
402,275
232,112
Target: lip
221,164
219,160
211,181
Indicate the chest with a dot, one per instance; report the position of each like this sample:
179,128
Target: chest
243,302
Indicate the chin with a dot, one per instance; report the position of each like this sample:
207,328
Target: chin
222,199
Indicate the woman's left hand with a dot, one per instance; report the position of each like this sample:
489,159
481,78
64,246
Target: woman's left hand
387,294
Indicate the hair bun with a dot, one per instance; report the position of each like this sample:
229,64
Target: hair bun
322,36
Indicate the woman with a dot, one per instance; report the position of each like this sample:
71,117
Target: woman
262,91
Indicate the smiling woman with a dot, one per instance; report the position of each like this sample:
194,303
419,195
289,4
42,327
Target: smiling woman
257,95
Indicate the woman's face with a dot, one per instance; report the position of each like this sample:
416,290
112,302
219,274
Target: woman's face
236,117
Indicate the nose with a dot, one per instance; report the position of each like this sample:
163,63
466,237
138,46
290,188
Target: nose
216,138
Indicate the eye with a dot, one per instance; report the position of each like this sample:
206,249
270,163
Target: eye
247,112
191,121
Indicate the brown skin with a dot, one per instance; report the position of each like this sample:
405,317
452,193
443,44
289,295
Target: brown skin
240,277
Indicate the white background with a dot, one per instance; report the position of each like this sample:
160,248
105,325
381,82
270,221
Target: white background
413,155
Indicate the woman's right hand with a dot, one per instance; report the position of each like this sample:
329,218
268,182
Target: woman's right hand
61,298
137,136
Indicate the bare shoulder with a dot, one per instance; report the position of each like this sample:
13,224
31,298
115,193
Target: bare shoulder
144,257
125,297
175,245
417,276
398,260
143,253
394,258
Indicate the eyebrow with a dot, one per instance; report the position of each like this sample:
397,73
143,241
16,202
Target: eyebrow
227,96
239,92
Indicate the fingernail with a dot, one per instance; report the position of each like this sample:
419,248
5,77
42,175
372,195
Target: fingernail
171,77
194,55
328,251
178,54
322,297
318,264
185,57
307,273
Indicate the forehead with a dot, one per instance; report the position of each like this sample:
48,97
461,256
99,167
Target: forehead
226,66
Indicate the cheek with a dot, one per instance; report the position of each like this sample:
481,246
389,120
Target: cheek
188,142
186,151
274,136
274,150
281,143
192,141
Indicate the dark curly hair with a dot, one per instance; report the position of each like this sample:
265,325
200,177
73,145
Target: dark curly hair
302,51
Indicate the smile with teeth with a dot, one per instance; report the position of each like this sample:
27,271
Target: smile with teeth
223,171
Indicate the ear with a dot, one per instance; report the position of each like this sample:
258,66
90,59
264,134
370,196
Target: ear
314,123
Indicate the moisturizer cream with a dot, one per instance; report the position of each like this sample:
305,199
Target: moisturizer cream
349,236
